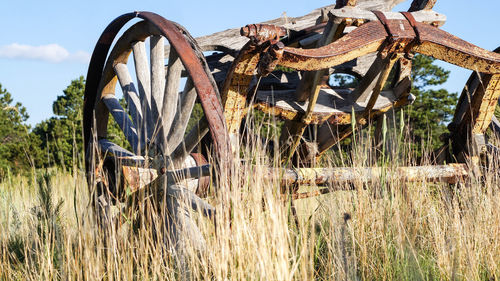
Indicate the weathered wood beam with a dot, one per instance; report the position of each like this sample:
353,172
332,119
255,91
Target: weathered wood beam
366,85
231,39
424,16
417,5
452,173
329,136
382,78
309,88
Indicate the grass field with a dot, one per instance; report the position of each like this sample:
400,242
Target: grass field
388,230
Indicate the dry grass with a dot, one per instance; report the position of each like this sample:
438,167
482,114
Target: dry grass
384,231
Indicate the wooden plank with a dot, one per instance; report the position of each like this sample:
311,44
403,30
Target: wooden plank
171,96
417,5
452,173
123,121
463,104
182,115
357,67
423,16
308,86
335,105
329,135
366,85
379,86
231,39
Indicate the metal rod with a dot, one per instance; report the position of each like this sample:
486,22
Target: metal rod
188,173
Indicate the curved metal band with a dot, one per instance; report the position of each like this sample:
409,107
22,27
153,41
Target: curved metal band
381,17
206,92
370,37
363,40
413,24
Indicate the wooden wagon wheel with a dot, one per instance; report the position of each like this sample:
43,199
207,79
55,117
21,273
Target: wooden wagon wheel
160,126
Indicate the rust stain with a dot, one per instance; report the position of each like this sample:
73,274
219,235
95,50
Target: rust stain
137,178
260,33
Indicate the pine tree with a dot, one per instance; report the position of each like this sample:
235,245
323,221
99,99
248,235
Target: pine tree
433,108
18,151
61,135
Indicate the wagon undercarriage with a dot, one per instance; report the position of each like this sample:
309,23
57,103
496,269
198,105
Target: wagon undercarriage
281,69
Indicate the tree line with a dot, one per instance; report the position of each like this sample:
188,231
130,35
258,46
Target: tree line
58,141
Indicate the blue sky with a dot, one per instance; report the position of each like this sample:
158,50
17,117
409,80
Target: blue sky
46,44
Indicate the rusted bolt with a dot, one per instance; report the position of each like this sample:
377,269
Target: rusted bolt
263,32
409,56
269,59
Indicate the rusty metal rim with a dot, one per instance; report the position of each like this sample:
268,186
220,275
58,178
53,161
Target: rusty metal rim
207,94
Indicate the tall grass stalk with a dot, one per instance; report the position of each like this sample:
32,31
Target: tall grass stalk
418,231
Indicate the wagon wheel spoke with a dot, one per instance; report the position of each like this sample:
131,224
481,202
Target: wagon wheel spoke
121,118
184,111
144,83
157,69
192,139
170,96
157,61
133,101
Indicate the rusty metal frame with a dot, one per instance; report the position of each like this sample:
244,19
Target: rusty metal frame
473,114
371,36
385,37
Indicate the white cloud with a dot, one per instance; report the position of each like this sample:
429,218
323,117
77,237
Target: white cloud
51,53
